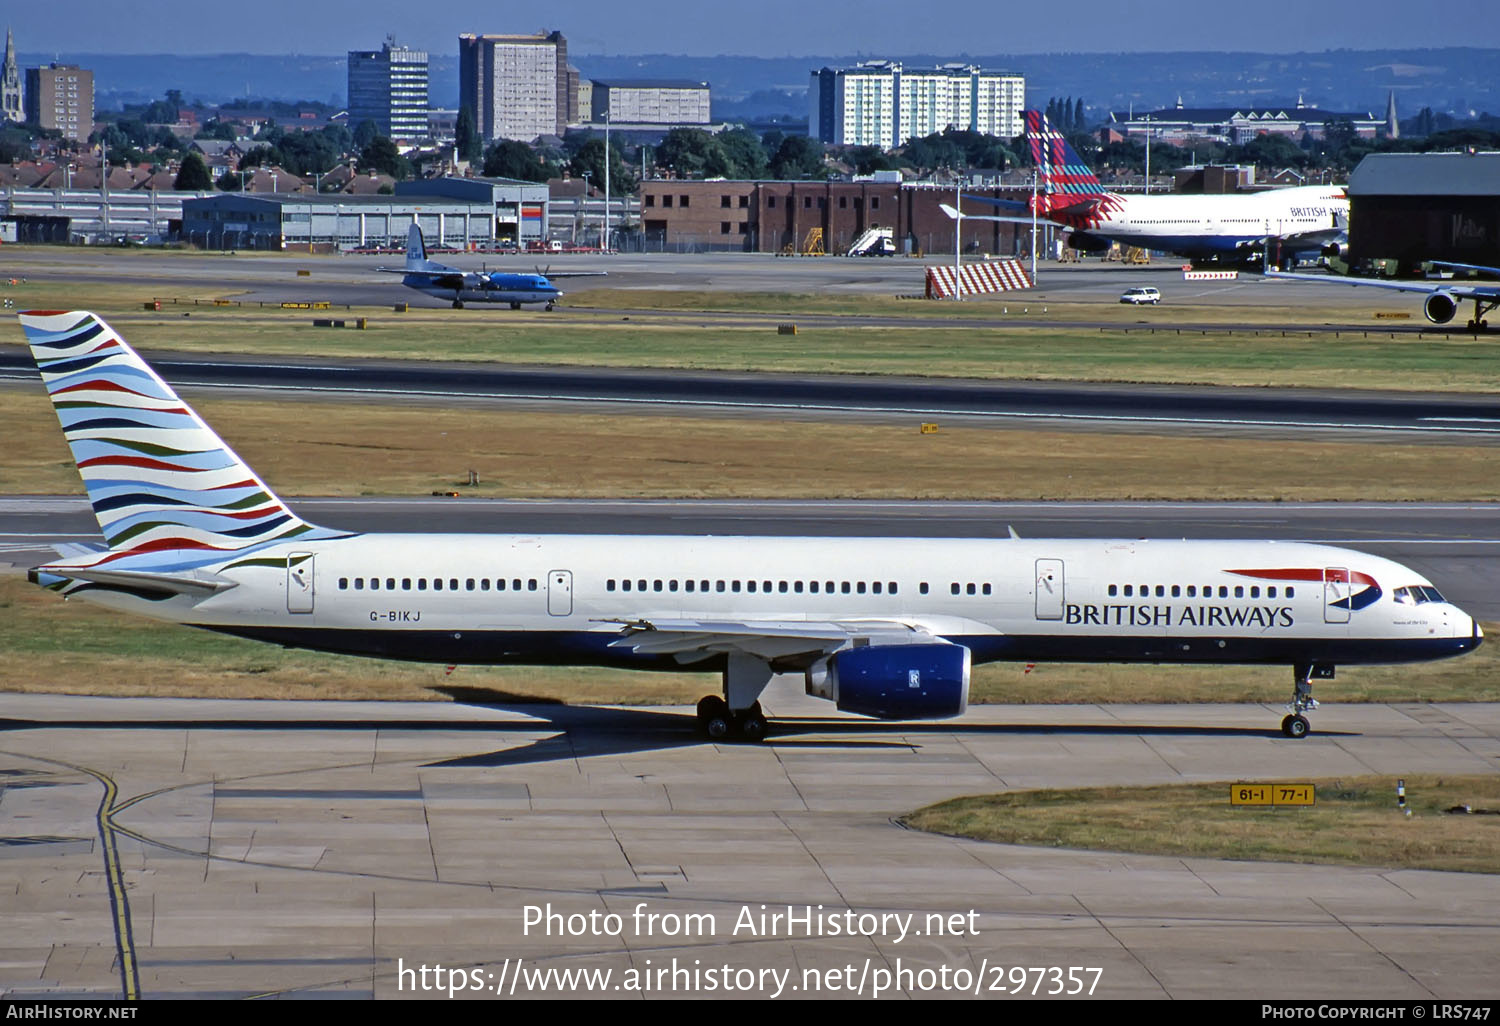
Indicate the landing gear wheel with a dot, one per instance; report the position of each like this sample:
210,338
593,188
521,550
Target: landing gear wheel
515,306
1295,727
711,705
550,306
718,726
1286,724
458,304
752,723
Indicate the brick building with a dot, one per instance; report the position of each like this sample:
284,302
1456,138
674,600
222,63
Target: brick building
766,217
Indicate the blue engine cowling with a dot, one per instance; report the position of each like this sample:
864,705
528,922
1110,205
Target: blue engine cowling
896,682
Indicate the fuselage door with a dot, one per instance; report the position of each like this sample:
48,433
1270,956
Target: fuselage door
560,592
299,582
1049,589
1336,592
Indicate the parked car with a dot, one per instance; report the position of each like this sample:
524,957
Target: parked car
1137,296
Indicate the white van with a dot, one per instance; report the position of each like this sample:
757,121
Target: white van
1137,296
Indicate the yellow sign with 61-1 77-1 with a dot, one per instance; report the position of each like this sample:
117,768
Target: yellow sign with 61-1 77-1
1271,794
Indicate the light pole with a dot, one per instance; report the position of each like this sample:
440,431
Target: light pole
958,239
583,205
604,242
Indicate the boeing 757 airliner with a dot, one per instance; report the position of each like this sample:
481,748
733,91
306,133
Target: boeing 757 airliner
882,627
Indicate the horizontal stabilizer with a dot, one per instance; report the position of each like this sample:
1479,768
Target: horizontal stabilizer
197,585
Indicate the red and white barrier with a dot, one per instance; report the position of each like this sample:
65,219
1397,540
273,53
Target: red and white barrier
995,276
1210,275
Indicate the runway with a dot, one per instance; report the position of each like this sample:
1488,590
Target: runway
1426,416
318,849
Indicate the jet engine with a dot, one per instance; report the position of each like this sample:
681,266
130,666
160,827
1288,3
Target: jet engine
895,682
1336,251
1087,243
1440,307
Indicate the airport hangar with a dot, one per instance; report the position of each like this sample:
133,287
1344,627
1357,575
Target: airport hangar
454,213
1414,207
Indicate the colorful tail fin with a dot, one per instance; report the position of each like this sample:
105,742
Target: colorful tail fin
1060,169
159,479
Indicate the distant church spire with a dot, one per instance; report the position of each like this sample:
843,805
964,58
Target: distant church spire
1392,126
10,84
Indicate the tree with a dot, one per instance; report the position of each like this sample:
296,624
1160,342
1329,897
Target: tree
382,155
692,153
509,158
229,181
798,157
216,129
747,157
590,158
194,175
467,136
365,133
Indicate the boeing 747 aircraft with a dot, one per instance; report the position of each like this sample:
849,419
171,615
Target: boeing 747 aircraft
1234,227
461,286
882,627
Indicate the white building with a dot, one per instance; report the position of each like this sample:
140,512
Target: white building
650,102
517,86
880,103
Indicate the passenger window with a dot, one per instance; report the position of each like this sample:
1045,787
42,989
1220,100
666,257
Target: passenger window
689,584
922,588
860,587
406,584
750,587
1223,591
1176,590
781,587
1160,591
453,584
734,586
876,587
609,585
343,584
814,587
845,588
437,584
1271,592
390,584
515,584
1129,590
1239,591
672,585
656,585
359,584
640,585
797,587
986,589
970,588
421,584
1112,590
1291,592
892,588
1255,592
531,584
955,589
469,584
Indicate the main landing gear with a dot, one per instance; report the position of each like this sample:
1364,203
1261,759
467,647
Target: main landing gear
737,716
717,723
1295,724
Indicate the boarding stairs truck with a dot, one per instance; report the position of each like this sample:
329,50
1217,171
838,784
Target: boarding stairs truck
875,241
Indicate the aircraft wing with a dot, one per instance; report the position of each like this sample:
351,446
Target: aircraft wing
1483,291
692,640
1478,268
575,274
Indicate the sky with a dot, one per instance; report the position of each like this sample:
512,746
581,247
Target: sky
764,28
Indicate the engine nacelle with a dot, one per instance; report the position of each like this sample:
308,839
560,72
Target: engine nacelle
1337,251
1087,243
895,682
1440,307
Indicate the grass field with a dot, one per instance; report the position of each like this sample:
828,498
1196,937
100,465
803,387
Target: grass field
319,447
1355,821
942,348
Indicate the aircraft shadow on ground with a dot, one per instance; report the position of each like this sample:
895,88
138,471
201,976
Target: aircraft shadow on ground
585,731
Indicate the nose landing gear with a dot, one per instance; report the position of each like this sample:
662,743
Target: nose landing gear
1295,724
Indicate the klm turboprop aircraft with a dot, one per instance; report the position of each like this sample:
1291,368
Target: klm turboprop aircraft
462,286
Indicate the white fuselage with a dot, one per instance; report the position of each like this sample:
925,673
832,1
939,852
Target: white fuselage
563,598
1221,225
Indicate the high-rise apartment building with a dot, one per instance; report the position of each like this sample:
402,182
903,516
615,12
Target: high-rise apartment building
517,86
880,103
10,84
61,96
389,87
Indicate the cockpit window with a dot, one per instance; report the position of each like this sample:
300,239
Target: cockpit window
1417,594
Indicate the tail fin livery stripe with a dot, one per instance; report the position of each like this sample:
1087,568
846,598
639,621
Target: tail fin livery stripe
160,481
1059,167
